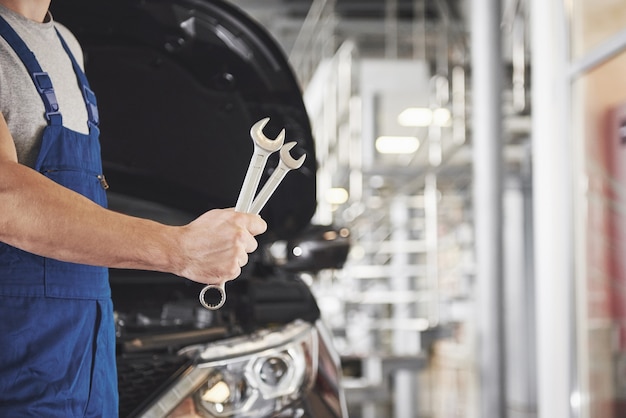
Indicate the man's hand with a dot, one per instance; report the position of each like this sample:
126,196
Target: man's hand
215,246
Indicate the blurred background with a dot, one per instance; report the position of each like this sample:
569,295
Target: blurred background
474,150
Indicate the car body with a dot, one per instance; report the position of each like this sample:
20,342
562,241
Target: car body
179,84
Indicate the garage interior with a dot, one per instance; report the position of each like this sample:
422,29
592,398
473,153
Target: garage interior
401,309
425,326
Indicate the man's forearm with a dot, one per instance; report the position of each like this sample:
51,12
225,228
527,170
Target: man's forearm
42,217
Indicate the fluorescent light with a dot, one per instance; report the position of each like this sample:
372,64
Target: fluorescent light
337,196
397,144
415,116
441,116
423,116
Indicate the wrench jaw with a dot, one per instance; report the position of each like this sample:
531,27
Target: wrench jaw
286,164
262,141
288,160
263,147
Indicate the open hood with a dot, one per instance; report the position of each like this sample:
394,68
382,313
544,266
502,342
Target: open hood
179,84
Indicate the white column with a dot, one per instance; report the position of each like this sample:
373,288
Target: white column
487,72
553,213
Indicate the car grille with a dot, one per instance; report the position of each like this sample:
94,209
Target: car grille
142,376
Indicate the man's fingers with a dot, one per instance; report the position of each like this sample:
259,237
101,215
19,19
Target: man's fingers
254,224
250,244
243,260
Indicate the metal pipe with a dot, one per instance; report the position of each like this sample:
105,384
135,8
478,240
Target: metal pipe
302,54
404,342
552,208
603,52
519,300
391,29
487,73
518,58
431,220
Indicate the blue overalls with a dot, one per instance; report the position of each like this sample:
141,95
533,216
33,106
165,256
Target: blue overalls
57,337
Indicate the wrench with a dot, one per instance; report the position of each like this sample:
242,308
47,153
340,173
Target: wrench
286,164
263,147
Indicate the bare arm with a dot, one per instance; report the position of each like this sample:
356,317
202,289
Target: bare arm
42,217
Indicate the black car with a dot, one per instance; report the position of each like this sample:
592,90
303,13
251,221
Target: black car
179,84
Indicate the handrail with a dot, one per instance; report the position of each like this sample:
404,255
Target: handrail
307,53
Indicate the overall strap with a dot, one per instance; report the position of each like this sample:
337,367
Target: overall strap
41,79
88,94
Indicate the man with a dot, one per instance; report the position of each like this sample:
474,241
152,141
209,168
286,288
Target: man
57,338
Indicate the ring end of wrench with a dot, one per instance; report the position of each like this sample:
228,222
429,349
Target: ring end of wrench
222,292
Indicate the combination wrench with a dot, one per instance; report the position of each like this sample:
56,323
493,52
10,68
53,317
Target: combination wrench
246,202
263,148
286,164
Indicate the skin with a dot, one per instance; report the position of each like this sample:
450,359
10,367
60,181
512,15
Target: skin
35,212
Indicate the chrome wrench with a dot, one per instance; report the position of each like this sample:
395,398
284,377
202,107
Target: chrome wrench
286,164
263,148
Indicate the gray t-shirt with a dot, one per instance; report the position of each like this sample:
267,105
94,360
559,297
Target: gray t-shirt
20,102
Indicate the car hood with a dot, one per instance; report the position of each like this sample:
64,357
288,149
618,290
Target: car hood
179,84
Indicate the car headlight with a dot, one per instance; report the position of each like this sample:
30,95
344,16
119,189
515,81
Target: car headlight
248,376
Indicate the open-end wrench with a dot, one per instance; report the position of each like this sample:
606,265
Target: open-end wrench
286,164
263,147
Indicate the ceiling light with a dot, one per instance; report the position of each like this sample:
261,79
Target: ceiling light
337,196
422,117
397,144
441,116
415,116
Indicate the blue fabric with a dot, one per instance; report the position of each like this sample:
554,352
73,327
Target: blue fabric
88,95
42,81
57,336
56,358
